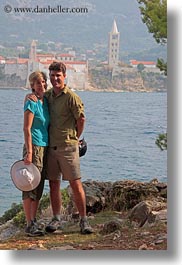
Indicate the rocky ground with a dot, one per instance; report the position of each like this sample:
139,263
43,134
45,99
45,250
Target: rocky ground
142,225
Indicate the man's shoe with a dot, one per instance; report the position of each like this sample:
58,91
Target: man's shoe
33,230
53,226
40,225
75,217
85,228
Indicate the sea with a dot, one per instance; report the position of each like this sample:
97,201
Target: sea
120,131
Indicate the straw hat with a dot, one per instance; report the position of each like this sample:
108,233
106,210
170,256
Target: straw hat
25,177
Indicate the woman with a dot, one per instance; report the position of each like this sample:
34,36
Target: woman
36,122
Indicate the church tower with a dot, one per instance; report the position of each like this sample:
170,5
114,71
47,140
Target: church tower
33,51
33,64
113,52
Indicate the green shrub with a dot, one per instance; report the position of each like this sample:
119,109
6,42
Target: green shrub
11,213
44,203
17,214
161,141
19,219
65,197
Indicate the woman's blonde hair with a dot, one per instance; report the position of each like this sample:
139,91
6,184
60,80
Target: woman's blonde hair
36,76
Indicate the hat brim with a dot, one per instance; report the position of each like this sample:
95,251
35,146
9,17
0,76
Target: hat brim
18,165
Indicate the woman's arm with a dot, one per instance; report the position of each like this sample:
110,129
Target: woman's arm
28,120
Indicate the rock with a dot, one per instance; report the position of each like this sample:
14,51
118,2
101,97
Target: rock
143,214
111,226
65,247
8,230
140,213
143,247
121,195
124,195
161,215
95,195
145,200
38,246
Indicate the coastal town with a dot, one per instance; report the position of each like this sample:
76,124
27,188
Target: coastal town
84,72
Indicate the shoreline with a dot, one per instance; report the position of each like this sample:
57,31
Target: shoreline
13,88
135,184
96,90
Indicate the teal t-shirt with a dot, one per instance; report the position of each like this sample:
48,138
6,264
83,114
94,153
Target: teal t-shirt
40,123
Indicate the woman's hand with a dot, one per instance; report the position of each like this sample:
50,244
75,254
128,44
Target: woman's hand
28,159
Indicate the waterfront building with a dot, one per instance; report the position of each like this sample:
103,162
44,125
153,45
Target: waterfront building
149,66
77,71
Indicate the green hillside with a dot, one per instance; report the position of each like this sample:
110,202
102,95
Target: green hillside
82,30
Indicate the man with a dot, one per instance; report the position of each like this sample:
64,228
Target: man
67,121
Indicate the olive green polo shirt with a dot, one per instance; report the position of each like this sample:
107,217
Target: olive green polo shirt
64,109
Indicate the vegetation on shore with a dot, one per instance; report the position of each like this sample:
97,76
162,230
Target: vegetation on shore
125,215
125,237
16,212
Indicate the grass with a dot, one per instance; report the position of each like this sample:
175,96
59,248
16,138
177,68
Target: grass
128,237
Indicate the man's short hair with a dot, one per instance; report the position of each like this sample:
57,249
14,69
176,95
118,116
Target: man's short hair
57,66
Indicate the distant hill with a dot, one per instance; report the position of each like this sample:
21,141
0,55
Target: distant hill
82,30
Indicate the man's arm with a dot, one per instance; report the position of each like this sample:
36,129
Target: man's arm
30,97
80,125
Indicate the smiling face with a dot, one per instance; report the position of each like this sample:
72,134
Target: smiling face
39,86
57,79
38,83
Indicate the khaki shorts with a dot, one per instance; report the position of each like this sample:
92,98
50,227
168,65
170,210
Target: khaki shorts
38,161
63,161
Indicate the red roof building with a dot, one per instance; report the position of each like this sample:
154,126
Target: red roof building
148,64
65,57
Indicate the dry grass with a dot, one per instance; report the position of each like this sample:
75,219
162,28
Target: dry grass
127,238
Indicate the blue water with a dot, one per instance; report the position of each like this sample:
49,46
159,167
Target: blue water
120,130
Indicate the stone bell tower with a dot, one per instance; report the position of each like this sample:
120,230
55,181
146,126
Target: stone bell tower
33,64
33,51
113,49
